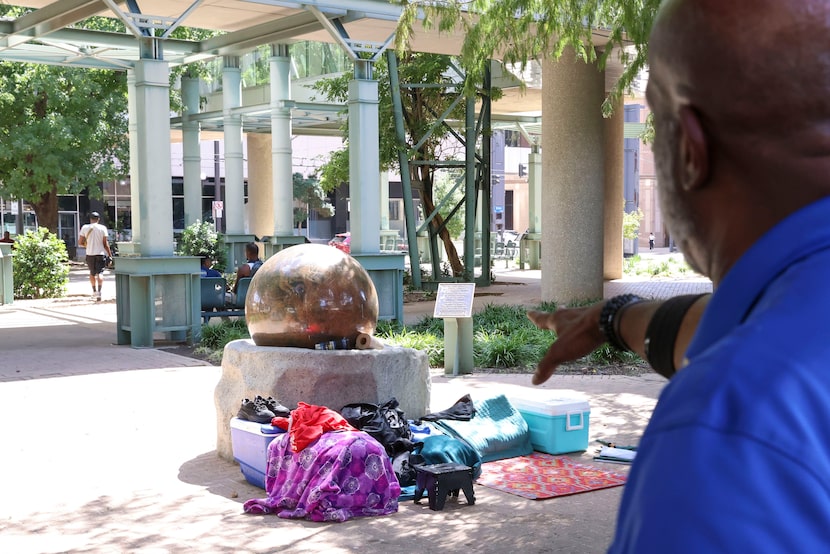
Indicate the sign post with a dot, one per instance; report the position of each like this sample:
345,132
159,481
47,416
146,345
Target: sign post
218,207
454,304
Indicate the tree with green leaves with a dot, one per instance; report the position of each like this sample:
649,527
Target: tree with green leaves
523,30
312,197
631,224
421,107
63,130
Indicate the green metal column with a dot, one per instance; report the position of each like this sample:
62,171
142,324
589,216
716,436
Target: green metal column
531,243
6,274
470,192
364,160
485,182
282,173
156,292
232,121
403,159
235,237
155,210
191,152
133,247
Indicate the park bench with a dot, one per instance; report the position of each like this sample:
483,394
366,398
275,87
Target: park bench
213,298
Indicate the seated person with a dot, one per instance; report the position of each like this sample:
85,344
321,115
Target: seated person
207,269
248,269
7,238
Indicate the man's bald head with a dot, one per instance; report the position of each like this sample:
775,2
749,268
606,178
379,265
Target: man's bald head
742,125
749,66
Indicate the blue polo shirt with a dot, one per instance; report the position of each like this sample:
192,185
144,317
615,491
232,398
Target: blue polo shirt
736,457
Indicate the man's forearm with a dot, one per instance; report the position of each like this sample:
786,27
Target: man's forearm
635,319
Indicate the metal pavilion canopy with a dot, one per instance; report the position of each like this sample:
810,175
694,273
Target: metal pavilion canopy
50,35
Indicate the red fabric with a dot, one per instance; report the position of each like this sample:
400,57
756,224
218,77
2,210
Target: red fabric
308,422
281,422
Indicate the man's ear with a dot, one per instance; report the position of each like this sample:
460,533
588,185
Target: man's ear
694,149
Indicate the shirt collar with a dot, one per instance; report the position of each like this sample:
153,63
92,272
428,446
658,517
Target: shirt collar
798,235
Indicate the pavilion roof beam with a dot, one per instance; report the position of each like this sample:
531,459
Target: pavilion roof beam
119,40
55,56
181,18
266,33
530,137
307,109
48,19
353,47
361,9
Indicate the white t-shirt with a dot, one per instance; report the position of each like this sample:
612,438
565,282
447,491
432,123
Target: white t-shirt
95,234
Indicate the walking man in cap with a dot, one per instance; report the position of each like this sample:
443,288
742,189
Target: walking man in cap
94,237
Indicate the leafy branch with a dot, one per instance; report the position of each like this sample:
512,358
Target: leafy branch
517,31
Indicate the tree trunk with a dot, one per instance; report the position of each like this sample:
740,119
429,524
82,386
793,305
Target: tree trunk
46,210
425,177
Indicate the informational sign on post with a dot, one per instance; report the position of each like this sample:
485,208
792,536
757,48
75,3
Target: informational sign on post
454,300
454,304
218,207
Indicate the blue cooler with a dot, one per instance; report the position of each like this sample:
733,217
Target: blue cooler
557,424
250,441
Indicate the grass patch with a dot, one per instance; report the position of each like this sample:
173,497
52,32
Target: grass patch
673,267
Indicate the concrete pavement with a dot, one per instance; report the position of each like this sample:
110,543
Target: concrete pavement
112,449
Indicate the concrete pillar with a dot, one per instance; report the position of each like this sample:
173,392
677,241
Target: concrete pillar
234,175
614,193
260,187
191,152
364,165
573,177
282,174
154,209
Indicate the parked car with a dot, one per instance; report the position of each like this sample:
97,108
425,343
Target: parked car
507,243
342,241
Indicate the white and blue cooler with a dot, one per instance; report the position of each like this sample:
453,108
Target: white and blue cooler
558,424
250,441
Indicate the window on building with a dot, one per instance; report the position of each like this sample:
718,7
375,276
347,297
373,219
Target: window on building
394,210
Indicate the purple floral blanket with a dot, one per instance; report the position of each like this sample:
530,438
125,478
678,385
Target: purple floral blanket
341,475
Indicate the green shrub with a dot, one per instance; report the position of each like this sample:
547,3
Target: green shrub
199,239
40,266
216,337
427,342
429,325
521,348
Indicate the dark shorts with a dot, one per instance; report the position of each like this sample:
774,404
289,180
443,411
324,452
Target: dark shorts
95,264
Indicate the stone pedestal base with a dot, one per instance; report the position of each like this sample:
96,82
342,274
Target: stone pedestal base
331,378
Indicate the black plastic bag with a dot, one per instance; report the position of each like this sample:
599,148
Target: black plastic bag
405,471
462,410
385,423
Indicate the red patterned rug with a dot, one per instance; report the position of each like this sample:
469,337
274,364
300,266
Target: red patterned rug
539,476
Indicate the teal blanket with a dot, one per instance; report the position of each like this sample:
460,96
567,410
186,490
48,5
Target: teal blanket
496,431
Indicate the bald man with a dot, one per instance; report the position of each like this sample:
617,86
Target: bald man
736,457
